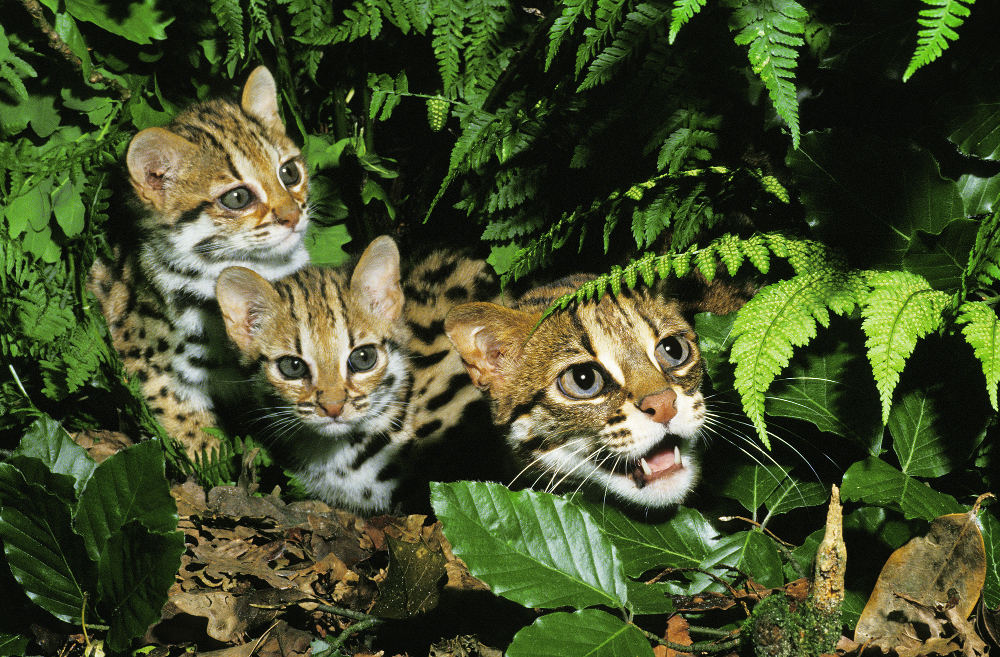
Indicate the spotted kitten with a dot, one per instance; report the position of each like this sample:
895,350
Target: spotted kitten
604,395
221,185
357,390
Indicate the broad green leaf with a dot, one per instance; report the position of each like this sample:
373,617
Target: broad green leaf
868,197
941,258
751,552
135,573
30,210
759,559
13,644
979,194
44,554
978,133
681,542
326,244
917,439
991,537
715,337
131,485
794,494
67,29
585,633
876,482
68,208
882,525
826,385
751,485
536,549
140,21
47,441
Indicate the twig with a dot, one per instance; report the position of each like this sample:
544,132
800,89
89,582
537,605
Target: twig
702,646
759,526
56,42
346,613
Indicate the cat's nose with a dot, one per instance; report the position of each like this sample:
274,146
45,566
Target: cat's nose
287,214
662,406
331,409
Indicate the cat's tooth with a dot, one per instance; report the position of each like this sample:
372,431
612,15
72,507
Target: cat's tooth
645,467
677,456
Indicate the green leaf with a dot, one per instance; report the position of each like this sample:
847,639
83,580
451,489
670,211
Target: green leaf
979,194
779,317
682,12
772,486
67,29
876,482
828,386
980,328
68,208
900,309
47,441
991,537
29,210
536,549
760,559
13,644
771,28
326,244
585,633
139,21
871,213
129,486
681,542
135,573
47,559
939,23
941,258
977,134
919,443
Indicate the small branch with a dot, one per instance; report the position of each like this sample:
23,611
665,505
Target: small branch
703,646
759,526
346,613
56,42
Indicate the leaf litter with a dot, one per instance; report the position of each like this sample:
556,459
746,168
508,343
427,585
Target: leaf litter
264,577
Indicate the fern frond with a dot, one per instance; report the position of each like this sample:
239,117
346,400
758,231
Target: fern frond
692,140
607,17
448,41
640,24
939,23
983,265
780,317
512,228
900,309
683,11
229,16
572,10
484,53
771,28
982,332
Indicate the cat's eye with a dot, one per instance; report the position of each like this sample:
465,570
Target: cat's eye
673,351
236,199
581,381
289,173
363,359
292,367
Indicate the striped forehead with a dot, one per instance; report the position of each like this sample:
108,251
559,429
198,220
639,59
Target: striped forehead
316,308
622,336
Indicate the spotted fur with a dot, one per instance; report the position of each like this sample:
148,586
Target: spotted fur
604,395
221,185
358,391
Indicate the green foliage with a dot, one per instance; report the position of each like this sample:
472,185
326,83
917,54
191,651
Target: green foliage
939,21
86,540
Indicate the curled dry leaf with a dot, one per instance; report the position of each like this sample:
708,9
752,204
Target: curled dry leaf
927,590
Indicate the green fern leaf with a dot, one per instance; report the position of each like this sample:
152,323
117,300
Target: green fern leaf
981,330
607,17
229,15
771,29
683,11
691,140
779,317
572,10
706,263
638,28
448,41
900,309
730,253
939,23
757,253
681,263
983,265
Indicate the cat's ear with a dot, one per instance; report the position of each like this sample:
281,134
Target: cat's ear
245,299
486,336
154,157
375,282
260,99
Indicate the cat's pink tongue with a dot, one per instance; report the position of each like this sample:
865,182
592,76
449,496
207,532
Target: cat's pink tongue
661,461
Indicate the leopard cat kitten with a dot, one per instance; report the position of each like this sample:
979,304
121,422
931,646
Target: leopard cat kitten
221,185
357,390
604,395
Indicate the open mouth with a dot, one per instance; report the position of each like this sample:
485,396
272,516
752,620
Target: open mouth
663,460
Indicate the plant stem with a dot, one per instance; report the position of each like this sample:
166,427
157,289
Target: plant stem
703,646
346,613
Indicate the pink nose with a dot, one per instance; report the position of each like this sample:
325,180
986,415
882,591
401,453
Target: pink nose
287,214
662,406
331,409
